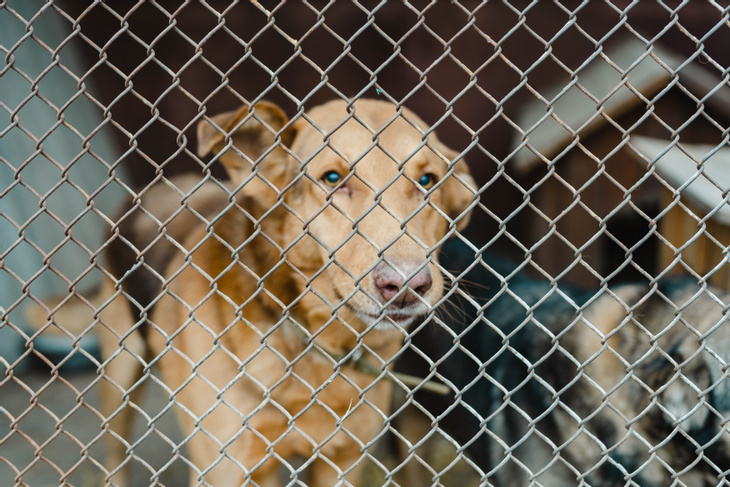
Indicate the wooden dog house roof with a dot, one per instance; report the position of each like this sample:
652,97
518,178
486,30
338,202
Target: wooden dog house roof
611,84
699,172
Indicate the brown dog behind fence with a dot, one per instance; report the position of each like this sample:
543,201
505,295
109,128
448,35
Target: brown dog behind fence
279,307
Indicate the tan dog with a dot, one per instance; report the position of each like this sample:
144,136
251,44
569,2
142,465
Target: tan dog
307,276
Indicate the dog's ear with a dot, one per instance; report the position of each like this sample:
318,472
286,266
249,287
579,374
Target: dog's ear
253,134
459,189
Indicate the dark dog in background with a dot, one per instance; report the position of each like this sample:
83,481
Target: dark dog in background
557,386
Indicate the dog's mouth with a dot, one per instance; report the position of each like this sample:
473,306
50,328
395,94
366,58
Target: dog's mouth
385,318
388,319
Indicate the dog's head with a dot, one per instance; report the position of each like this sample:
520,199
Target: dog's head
663,368
370,194
690,376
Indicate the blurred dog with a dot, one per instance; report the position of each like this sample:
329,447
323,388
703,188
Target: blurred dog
273,312
557,386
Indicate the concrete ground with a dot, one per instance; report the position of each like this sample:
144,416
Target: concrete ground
51,435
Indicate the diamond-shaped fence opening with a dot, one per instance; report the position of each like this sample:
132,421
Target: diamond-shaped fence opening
364,243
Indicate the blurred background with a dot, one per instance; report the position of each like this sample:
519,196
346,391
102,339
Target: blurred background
470,68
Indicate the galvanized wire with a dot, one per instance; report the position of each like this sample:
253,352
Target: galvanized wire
574,378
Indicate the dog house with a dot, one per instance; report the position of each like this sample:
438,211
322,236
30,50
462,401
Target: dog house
627,169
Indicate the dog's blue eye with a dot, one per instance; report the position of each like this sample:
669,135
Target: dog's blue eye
331,178
427,181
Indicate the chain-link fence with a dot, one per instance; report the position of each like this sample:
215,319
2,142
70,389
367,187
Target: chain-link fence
364,243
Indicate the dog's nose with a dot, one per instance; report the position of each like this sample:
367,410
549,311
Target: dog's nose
390,282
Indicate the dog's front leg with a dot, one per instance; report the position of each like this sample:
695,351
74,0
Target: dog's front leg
238,454
118,396
123,353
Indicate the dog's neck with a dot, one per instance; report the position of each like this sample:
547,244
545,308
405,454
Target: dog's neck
342,330
362,357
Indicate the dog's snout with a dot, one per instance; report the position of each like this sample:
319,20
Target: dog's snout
389,281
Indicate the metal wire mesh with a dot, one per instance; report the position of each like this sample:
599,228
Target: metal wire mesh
168,285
